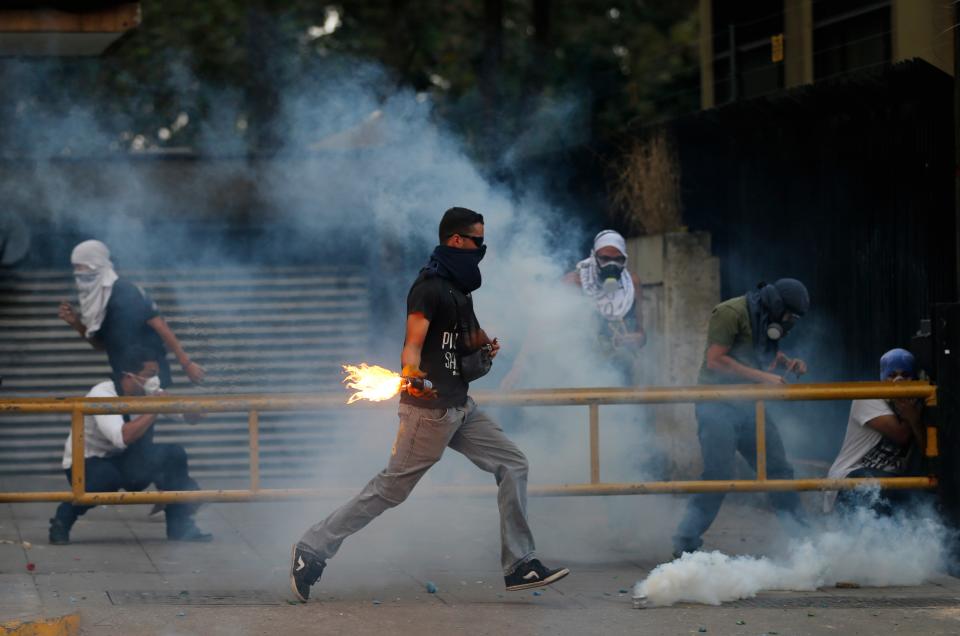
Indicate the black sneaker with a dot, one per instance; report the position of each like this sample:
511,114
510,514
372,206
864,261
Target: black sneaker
188,532
305,570
533,574
59,533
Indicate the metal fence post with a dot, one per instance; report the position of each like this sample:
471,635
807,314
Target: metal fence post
761,442
78,470
594,443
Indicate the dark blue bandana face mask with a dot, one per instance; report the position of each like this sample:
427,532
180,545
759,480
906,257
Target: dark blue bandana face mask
459,266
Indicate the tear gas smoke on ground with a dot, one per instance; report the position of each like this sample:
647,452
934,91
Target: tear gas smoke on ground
865,549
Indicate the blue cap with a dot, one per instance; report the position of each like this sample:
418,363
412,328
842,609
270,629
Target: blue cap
896,360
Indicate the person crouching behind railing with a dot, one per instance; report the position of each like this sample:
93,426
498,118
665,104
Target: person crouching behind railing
119,453
881,439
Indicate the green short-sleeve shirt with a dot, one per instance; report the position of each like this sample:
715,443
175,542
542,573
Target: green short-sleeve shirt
729,327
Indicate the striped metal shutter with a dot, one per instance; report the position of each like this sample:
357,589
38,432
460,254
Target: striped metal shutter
255,331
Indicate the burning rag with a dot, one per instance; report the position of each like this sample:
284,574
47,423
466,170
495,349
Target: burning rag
93,288
613,301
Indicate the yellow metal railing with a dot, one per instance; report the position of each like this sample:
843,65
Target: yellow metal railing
593,399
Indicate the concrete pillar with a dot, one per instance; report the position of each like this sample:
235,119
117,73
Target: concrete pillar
798,42
924,29
707,96
681,281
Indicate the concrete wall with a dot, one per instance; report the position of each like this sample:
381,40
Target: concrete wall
681,281
924,29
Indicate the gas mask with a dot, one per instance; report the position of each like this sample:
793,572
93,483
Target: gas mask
777,330
609,270
151,386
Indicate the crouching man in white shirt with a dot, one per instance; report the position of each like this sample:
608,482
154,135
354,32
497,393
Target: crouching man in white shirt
119,453
880,435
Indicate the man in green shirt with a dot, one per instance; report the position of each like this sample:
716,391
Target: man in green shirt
743,340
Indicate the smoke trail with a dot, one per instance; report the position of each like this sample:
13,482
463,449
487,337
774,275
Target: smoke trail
865,549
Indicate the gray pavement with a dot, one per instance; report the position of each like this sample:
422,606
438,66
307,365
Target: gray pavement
124,577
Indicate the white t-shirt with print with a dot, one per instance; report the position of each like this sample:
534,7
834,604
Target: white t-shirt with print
103,434
864,447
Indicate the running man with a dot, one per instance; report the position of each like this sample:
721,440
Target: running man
444,344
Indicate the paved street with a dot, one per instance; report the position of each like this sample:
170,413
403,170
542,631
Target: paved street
124,577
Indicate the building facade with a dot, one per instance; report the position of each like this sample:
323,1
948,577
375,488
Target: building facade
750,48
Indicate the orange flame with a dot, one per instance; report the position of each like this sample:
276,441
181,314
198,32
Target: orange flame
371,382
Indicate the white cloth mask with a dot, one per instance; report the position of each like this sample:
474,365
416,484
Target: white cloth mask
94,286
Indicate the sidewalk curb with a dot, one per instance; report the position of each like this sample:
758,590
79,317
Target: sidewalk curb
68,625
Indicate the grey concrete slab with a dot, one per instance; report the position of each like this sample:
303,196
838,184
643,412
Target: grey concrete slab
19,597
376,585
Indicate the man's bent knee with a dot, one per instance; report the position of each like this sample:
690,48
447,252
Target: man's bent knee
515,466
392,488
717,469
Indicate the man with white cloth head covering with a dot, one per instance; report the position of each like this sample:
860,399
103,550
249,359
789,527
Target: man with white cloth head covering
93,272
116,314
615,291
603,276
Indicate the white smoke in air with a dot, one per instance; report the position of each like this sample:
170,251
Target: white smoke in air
864,549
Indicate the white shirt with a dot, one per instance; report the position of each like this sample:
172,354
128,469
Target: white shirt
863,447
103,434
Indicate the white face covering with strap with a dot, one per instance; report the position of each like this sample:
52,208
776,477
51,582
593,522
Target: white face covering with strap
94,286
614,299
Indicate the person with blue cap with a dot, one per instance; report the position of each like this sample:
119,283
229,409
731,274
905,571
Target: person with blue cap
743,346
880,435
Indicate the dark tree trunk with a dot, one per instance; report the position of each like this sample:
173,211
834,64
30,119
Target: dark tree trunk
491,60
262,93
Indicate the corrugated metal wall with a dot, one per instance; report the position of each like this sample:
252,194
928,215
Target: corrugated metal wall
255,330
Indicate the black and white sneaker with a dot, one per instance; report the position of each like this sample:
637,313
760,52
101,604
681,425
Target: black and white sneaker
305,570
533,574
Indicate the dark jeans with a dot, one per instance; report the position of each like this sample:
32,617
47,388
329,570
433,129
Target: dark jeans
724,429
135,469
883,503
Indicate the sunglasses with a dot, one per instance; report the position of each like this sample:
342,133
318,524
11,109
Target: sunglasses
477,240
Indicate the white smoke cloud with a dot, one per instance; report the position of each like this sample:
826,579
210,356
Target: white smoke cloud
865,549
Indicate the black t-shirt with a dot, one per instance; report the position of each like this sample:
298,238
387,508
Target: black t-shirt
447,309
125,325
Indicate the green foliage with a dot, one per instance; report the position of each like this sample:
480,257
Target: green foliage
225,64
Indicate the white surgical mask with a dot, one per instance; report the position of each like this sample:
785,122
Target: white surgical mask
151,386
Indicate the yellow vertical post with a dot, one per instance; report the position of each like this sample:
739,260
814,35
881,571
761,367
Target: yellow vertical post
932,447
594,443
79,444
254,425
761,442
